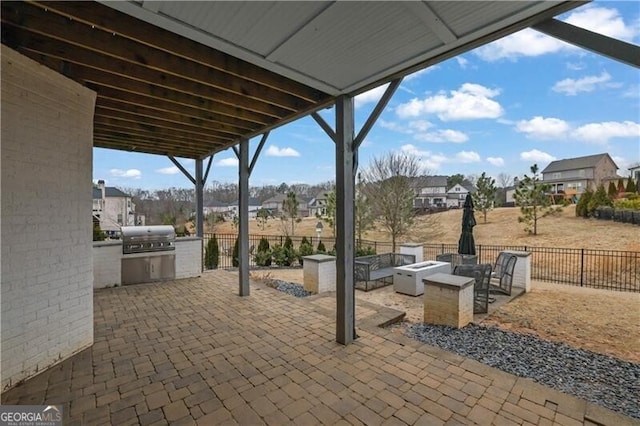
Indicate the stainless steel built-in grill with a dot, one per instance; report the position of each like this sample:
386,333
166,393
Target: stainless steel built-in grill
144,239
148,254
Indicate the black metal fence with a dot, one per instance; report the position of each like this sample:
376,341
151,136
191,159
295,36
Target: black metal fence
604,269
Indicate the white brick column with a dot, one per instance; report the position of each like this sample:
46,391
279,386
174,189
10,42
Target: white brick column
522,270
319,273
413,249
46,225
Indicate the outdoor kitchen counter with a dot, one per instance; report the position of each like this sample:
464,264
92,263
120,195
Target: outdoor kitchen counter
107,260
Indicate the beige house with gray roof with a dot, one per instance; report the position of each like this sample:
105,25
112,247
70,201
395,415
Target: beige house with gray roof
578,174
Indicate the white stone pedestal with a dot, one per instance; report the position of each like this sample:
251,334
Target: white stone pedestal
414,249
448,300
522,270
319,273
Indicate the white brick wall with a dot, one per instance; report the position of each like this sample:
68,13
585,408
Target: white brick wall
188,257
45,220
107,264
107,260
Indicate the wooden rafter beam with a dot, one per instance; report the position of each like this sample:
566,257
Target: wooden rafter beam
80,64
109,46
168,116
145,140
97,79
134,145
160,122
124,25
131,99
154,132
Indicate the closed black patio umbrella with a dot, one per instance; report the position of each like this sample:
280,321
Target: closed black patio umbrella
466,244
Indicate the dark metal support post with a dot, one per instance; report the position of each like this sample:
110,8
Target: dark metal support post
199,199
243,216
345,218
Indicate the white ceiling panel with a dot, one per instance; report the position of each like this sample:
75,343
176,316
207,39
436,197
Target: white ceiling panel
345,46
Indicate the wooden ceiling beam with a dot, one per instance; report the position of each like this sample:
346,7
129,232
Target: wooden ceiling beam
201,126
96,79
99,41
133,145
154,131
166,106
111,20
159,122
108,66
143,139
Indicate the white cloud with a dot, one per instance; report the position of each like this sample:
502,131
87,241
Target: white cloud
274,151
442,136
600,133
433,161
575,66
496,161
227,162
168,170
529,42
536,156
632,92
467,157
572,87
543,128
130,173
462,62
369,96
414,150
395,126
420,125
471,101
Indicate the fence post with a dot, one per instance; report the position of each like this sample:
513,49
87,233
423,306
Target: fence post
479,254
581,267
442,248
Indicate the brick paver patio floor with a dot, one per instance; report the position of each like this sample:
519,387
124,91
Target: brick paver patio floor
194,352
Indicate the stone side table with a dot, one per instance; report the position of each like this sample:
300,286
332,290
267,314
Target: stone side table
448,300
319,273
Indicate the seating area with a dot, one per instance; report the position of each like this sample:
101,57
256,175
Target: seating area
482,275
502,275
376,270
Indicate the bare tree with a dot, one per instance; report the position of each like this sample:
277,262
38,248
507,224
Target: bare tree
290,210
387,186
504,180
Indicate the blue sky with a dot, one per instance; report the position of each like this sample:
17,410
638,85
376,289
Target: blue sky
525,99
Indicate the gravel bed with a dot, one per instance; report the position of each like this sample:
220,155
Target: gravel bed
604,380
290,288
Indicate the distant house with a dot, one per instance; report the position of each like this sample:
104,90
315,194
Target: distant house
431,192
274,204
113,208
254,206
216,206
458,193
578,174
318,204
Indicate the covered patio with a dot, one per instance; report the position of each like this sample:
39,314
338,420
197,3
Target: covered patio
191,80
193,352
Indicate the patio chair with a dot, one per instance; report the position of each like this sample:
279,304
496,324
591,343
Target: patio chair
482,275
502,278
